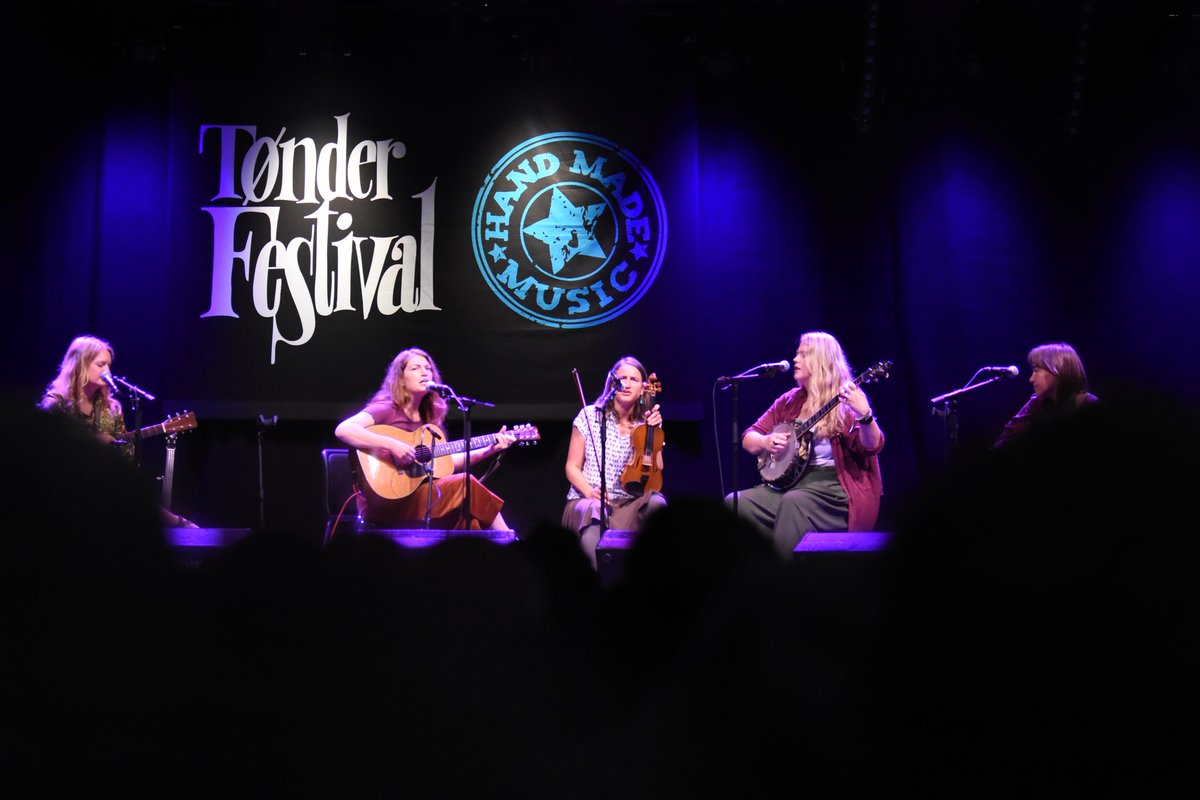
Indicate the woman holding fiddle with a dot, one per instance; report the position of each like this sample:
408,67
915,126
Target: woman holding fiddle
623,407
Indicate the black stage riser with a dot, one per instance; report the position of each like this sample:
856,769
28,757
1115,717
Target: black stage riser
614,544
195,546
426,537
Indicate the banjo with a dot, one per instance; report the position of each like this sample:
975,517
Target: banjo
783,470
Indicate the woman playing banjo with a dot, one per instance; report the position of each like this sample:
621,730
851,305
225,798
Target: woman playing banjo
840,486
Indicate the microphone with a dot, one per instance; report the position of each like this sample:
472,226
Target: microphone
776,366
769,368
107,377
440,388
1011,371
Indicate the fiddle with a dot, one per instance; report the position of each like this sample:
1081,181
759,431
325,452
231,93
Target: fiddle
644,471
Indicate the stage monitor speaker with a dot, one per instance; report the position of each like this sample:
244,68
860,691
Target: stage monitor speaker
845,571
194,546
842,542
610,555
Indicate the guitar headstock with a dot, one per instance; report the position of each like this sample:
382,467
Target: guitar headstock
183,421
652,385
525,434
876,372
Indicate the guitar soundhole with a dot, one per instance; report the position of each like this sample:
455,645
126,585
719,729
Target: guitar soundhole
422,454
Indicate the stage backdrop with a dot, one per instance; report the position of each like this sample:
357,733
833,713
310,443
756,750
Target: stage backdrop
260,209
513,225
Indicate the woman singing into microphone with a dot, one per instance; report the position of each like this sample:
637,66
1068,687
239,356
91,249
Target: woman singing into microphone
1060,388
841,489
623,406
405,403
81,391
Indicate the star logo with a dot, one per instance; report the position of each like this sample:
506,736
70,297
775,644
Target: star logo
568,230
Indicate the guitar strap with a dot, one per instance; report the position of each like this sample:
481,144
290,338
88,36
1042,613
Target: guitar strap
491,467
169,471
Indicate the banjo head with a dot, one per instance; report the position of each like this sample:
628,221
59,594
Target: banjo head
782,470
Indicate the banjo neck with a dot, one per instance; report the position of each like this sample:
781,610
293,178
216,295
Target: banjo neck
822,412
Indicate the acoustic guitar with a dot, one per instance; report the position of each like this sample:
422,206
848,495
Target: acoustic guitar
387,480
183,421
783,470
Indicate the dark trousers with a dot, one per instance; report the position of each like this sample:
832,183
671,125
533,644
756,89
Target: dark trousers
817,503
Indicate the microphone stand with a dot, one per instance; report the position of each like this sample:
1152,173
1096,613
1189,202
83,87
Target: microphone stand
264,422
429,484
465,404
603,412
949,411
734,381
734,442
136,394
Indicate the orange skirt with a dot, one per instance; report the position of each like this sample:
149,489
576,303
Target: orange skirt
446,513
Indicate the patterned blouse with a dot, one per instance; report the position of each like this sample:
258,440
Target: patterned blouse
102,419
617,452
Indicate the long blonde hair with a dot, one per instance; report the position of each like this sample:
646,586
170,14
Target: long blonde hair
432,408
72,376
828,372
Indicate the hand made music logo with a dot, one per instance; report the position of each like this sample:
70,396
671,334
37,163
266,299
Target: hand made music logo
569,230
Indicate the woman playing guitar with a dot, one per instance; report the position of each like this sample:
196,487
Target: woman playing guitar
405,404
83,391
841,488
80,392
604,430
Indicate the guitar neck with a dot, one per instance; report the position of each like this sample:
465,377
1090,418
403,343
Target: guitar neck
147,432
460,445
171,425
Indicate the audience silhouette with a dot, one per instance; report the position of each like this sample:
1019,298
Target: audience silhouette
1041,622
1031,629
